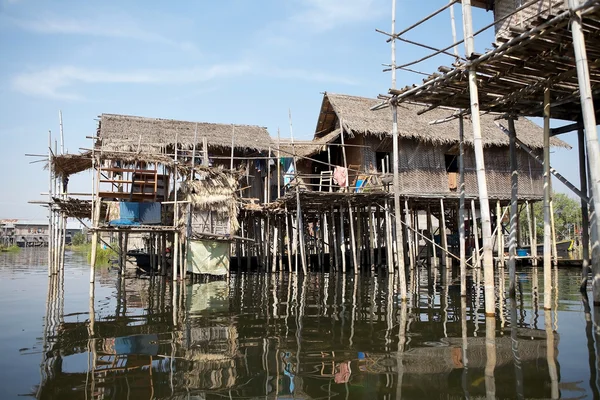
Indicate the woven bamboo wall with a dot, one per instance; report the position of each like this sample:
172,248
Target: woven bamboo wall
423,171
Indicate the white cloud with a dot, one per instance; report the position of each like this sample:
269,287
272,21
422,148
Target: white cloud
59,82
323,15
63,82
111,26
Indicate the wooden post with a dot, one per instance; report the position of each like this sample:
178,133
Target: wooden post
397,212
585,234
430,229
232,144
50,202
300,227
553,228
287,232
591,133
409,235
175,215
342,239
95,218
372,243
461,187
334,247
443,236
352,239
534,249
514,184
547,227
268,179
475,230
499,249
278,165
388,238
488,260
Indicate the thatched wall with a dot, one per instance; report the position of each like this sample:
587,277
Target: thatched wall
154,135
423,171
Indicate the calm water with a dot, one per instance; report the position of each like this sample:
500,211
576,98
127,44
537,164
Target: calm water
279,337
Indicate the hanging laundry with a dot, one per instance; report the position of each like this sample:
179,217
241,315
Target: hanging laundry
289,174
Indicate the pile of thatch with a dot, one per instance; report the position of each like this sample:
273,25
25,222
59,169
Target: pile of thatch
357,118
215,190
68,164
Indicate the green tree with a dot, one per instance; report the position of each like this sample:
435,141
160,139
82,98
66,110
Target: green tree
567,215
78,239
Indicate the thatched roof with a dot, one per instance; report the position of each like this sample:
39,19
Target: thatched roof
357,118
153,135
307,148
68,164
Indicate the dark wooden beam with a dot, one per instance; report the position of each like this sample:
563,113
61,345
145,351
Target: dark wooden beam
565,129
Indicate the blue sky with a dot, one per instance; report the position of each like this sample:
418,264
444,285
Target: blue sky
229,61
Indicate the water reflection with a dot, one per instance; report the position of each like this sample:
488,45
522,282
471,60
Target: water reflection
320,336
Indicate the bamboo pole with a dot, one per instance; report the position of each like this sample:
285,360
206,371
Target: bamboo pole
488,266
232,144
95,217
388,238
547,227
591,133
534,249
443,235
288,238
334,243
585,234
175,216
342,245
300,227
461,187
353,239
553,229
477,261
430,229
397,212
278,165
499,234
514,183
50,201
372,239
409,236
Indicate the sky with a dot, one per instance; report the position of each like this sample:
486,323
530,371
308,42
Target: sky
227,61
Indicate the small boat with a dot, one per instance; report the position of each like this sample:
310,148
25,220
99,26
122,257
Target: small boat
563,248
142,260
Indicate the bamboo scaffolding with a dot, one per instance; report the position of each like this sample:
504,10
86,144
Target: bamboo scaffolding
484,207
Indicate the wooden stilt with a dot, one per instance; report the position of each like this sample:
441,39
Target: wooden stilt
591,133
379,238
499,248
352,239
342,239
553,229
334,247
514,217
585,235
409,236
389,245
443,235
475,228
300,226
287,232
461,205
488,266
547,226
397,207
372,240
